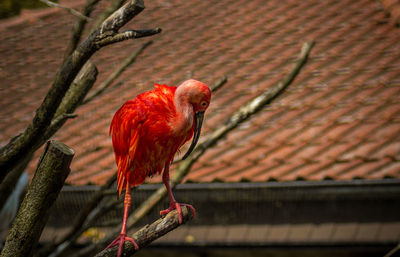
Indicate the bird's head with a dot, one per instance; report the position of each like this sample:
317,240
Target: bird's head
198,93
199,96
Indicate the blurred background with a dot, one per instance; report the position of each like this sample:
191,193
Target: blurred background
315,173
10,8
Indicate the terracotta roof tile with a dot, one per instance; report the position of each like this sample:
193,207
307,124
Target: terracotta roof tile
389,149
388,170
338,120
205,171
359,170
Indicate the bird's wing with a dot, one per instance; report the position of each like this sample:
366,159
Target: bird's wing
125,130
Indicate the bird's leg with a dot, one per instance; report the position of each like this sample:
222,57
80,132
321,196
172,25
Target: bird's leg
120,240
173,204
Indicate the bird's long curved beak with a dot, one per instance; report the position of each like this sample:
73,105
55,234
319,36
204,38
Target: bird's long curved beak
198,122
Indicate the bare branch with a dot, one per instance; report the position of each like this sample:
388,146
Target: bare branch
90,213
119,18
68,9
151,232
56,122
219,83
114,5
393,251
184,166
106,83
73,97
79,26
78,90
21,145
52,170
130,34
267,96
85,218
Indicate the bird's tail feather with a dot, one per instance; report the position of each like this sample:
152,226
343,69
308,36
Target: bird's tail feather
121,186
123,176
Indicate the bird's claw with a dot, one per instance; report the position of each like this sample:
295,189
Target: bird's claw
120,240
177,206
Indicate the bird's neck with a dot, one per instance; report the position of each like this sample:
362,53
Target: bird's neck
184,113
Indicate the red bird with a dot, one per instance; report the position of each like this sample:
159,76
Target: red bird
147,132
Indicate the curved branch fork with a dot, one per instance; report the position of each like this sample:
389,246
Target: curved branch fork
109,38
121,16
151,232
106,34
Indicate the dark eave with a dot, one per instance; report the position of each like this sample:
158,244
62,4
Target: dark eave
271,202
299,214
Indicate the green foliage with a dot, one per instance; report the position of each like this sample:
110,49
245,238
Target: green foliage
9,8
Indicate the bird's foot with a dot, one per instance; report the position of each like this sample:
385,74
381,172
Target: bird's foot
177,206
120,240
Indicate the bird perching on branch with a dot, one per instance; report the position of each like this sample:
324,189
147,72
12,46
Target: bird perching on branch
147,131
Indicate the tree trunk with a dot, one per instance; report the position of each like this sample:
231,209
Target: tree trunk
52,170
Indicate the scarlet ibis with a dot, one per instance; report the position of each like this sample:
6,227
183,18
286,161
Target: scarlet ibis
147,131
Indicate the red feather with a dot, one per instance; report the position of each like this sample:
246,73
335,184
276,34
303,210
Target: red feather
142,138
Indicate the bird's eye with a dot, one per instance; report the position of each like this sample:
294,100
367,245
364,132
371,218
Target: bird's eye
204,103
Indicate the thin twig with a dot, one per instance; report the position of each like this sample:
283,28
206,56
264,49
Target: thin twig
219,83
112,7
129,34
57,120
109,192
71,100
79,27
84,219
68,9
81,85
393,251
128,61
241,115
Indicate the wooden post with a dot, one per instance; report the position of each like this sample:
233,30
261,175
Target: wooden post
51,172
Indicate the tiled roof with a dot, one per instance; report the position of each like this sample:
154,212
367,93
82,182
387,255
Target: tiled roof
340,118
